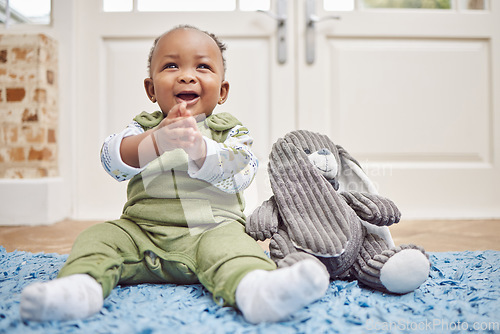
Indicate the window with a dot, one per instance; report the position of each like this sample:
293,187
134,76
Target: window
350,5
418,4
25,11
473,4
184,5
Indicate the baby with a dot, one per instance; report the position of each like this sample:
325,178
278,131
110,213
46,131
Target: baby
183,222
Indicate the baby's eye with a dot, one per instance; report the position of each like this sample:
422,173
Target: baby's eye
204,66
307,151
170,65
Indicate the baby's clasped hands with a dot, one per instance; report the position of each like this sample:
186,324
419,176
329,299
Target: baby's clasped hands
179,130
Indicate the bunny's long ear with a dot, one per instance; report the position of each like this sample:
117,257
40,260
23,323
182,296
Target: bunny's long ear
316,217
353,178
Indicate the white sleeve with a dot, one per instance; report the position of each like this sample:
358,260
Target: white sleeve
111,159
229,166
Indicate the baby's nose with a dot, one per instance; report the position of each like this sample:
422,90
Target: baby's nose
186,76
324,151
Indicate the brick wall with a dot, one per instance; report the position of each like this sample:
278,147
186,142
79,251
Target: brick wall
28,106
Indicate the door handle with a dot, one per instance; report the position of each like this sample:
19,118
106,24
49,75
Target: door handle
311,20
280,18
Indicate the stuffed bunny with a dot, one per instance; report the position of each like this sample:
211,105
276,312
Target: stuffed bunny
325,207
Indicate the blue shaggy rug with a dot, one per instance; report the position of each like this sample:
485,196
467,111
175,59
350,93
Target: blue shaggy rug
461,295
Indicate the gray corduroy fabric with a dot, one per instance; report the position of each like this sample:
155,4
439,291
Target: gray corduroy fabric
304,196
375,209
264,222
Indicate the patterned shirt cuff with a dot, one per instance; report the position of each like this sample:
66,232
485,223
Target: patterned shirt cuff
111,158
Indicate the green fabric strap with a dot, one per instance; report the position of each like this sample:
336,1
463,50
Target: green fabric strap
149,121
221,122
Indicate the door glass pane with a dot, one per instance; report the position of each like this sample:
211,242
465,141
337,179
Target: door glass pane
117,5
185,5
27,11
473,4
338,5
427,4
252,5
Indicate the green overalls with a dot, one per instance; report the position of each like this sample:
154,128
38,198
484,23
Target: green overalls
174,229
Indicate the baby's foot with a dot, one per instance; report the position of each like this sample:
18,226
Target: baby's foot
274,295
72,297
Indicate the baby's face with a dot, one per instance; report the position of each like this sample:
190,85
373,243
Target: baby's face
187,66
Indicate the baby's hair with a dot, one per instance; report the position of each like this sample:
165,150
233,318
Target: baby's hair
220,44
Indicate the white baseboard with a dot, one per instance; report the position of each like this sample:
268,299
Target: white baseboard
33,201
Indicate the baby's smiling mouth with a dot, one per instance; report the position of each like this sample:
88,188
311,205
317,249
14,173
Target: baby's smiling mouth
187,96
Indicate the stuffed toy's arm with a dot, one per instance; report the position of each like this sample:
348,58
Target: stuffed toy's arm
372,208
263,222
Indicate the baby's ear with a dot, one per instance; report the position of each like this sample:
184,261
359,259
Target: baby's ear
224,92
150,89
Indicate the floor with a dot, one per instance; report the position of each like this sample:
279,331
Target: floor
434,236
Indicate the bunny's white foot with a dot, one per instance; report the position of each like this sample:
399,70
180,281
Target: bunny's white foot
405,271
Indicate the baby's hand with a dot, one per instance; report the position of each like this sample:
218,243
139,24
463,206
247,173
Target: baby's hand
179,130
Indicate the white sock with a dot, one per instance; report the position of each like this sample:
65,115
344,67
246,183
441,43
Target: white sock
270,296
71,297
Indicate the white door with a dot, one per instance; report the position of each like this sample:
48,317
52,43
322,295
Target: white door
416,107
414,95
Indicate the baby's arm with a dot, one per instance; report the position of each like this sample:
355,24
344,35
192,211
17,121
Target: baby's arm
110,154
229,166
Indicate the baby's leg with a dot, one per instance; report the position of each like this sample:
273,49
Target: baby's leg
236,270
269,296
72,297
92,270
